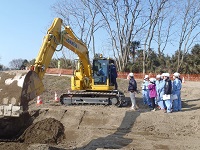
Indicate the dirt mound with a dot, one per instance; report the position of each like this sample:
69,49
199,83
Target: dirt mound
47,131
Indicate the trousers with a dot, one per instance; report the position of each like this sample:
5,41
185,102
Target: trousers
133,101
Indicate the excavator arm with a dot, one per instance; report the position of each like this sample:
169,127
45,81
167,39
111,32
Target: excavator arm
55,36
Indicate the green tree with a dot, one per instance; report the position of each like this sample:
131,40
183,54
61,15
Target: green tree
193,59
1,67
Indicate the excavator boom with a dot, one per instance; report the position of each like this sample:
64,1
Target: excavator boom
33,85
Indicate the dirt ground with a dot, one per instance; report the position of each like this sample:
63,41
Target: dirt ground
89,127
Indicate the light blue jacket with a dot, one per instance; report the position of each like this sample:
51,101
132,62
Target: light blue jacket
160,88
176,86
145,86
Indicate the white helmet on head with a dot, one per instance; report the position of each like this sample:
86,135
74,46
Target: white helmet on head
176,74
166,75
158,76
146,76
131,74
152,80
163,74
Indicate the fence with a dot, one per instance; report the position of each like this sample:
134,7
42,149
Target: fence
59,71
123,75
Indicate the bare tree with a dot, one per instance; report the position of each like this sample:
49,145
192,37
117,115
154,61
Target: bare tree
82,15
16,63
155,8
123,22
165,24
164,32
189,21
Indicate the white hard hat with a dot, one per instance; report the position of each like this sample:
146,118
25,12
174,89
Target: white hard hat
163,74
146,76
176,74
131,74
166,75
158,76
152,79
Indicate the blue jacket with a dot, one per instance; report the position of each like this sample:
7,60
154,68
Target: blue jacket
101,73
145,85
176,86
160,88
113,71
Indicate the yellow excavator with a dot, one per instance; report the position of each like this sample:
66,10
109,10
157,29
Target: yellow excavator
90,84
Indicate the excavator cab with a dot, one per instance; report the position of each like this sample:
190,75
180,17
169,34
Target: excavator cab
102,73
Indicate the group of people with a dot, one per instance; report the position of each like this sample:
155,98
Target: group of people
160,91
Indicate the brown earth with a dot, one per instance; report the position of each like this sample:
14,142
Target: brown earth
90,127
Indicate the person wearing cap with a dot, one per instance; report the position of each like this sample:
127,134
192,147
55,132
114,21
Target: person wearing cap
132,88
160,91
176,89
145,91
168,91
152,92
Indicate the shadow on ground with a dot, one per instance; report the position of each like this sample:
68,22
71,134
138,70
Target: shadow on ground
189,107
117,139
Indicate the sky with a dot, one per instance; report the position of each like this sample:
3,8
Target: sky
23,25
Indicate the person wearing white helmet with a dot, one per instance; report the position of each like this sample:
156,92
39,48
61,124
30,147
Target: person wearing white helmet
162,75
176,90
167,91
160,91
152,92
145,91
132,88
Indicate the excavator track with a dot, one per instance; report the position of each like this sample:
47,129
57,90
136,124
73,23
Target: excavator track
112,97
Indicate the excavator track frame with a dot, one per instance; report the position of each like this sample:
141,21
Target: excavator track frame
111,97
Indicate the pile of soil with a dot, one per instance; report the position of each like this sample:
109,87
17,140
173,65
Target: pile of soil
47,131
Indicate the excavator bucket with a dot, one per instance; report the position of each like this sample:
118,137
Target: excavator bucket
32,87
17,88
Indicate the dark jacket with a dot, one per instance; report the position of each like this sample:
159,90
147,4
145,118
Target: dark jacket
132,85
168,86
113,71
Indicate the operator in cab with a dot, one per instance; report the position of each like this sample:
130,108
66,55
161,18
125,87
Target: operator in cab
100,72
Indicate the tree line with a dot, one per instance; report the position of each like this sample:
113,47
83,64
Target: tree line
164,63
154,63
